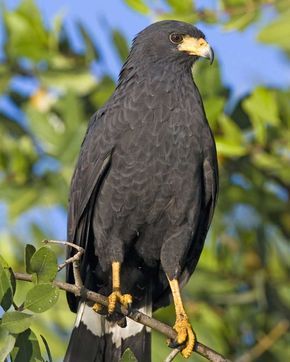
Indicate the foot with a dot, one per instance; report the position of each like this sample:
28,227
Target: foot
99,308
185,335
116,296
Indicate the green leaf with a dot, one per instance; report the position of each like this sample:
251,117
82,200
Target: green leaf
91,49
41,297
275,165
26,348
47,348
103,91
183,6
48,132
55,33
71,109
277,32
208,78
241,21
213,107
264,103
128,356
29,251
62,131
44,263
229,149
282,5
228,4
9,273
284,107
188,17
81,82
3,262
23,203
6,290
5,77
26,34
7,342
121,44
231,144
138,5
230,129
262,108
16,322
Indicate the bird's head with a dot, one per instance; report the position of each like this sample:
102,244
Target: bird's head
171,40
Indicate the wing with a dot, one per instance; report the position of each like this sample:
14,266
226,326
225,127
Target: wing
210,179
91,169
124,112
209,197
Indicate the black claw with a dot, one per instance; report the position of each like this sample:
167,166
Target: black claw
110,317
129,308
173,344
103,311
122,322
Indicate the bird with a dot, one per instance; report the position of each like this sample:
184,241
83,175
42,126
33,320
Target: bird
142,196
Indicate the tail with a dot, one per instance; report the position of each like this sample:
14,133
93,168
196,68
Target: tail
94,339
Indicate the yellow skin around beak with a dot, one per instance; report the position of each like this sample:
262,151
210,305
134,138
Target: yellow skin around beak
198,47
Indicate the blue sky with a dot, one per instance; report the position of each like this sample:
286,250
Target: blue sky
245,63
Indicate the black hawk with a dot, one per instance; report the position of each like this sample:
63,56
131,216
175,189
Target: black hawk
142,195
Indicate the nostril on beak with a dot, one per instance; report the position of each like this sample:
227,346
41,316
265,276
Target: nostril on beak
201,42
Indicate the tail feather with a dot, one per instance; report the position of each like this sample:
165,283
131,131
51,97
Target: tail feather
95,339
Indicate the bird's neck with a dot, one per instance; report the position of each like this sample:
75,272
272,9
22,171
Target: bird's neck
155,73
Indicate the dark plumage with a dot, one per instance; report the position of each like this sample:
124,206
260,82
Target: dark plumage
144,187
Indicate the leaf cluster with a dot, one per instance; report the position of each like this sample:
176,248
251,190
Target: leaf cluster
16,337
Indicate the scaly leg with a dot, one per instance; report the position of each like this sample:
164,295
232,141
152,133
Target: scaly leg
182,326
116,296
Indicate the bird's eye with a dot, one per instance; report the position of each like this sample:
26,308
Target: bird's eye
175,38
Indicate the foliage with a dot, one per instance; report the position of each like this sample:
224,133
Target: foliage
240,290
16,337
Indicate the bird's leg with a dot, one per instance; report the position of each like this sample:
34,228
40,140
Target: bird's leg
116,295
185,334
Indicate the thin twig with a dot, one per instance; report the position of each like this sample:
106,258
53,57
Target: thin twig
75,257
135,315
172,355
72,260
65,243
266,342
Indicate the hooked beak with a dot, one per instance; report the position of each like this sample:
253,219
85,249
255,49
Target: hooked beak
198,47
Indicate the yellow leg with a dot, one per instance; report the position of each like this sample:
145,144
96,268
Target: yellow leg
116,296
182,326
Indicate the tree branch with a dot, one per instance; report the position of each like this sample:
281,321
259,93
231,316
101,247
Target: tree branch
135,315
266,342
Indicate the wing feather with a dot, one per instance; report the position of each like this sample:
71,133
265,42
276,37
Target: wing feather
91,169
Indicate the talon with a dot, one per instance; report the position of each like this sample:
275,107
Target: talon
185,335
98,308
126,300
129,307
116,296
122,323
172,344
